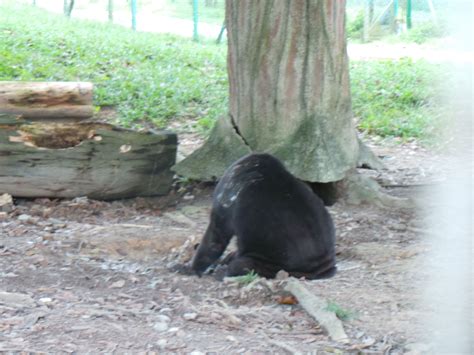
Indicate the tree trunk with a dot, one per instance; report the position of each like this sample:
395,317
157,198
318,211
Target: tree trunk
56,100
289,91
44,159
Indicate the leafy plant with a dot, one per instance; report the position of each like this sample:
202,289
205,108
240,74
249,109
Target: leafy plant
341,313
246,279
355,26
425,31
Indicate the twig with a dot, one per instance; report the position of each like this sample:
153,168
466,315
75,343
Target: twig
316,307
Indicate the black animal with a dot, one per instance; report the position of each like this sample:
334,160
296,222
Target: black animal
280,224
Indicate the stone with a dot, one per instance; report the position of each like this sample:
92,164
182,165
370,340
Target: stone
190,316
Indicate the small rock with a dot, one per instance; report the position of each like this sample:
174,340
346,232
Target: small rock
57,223
399,227
188,197
11,299
163,318
281,275
231,338
360,335
82,200
46,300
3,216
47,237
160,326
6,203
190,316
118,284
162,343
24,218
418,348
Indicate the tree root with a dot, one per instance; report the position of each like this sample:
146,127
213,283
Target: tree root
357,189
367,158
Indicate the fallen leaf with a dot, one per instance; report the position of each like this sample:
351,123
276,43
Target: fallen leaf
289,299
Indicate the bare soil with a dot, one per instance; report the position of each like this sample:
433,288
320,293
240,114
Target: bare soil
90,276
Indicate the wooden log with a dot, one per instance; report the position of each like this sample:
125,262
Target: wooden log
91,159
51,100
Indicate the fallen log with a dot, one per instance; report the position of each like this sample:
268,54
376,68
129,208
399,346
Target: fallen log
51,100
97,160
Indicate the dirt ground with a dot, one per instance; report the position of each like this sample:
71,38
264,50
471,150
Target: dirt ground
90,276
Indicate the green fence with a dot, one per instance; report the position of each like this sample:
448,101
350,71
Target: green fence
367,19
373,19
196,18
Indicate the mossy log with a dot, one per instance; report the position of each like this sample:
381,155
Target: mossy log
45,159
52,100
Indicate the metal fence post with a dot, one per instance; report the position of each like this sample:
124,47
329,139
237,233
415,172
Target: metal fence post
195,20
110,10
134,14
409,14
367,21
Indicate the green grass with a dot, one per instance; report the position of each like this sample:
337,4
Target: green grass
246,279
341,313
147,77
397,98
159,79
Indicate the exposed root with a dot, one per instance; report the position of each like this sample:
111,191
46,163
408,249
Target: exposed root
367,158
357,189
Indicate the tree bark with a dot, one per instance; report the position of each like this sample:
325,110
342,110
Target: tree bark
289,90
44,159
56,100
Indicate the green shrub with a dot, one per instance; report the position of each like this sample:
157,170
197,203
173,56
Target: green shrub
423,32
355,27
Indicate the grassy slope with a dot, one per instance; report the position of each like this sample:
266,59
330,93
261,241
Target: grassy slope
156,78
147,76
397,98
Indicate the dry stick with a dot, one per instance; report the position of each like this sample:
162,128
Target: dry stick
317,308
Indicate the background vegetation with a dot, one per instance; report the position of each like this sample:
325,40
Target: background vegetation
155,80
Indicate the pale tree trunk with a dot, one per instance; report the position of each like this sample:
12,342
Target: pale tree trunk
289,92
68,6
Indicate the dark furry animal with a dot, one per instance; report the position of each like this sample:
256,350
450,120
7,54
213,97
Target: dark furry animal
280,224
